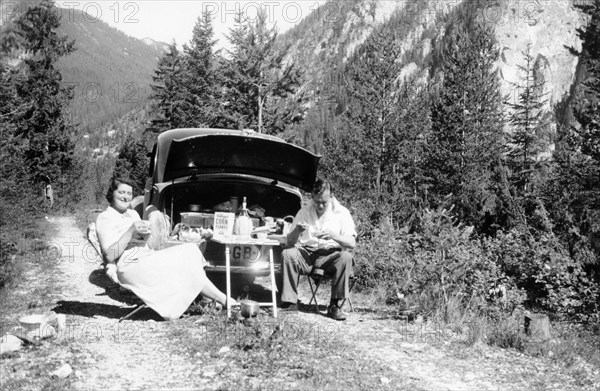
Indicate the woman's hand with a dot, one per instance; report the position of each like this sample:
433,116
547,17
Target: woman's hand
140,229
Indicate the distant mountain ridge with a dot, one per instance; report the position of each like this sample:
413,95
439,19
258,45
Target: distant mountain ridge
110,71
162,46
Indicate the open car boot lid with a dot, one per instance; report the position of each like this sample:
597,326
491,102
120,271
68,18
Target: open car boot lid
238,152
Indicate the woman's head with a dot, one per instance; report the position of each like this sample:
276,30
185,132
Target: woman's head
120,191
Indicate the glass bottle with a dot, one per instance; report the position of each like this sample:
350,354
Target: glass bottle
243,222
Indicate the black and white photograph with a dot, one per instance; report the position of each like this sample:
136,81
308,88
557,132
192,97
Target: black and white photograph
300,195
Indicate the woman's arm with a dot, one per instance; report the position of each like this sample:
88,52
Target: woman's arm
114,238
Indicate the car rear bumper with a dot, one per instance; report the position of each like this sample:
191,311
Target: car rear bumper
252,270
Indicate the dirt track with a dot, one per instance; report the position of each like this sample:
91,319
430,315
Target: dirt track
143,353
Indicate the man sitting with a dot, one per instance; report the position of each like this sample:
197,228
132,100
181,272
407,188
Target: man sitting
321,234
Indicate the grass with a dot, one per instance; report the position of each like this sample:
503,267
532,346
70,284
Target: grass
85,215
28,246
574,346
577,347
506,333
273,353
34,258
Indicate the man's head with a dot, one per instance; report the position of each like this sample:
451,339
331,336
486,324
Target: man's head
321,195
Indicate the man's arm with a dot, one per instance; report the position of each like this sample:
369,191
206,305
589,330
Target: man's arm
346,235
345,241
294,235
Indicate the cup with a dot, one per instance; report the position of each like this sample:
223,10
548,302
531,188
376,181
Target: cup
280,225
144,227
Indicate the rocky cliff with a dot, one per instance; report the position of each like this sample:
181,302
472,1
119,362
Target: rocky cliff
334,31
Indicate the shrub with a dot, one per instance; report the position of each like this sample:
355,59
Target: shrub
8,251
506,332
437,266
554,282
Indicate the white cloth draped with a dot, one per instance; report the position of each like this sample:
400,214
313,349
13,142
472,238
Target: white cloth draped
166,280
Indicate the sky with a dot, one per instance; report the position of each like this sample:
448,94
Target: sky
166,21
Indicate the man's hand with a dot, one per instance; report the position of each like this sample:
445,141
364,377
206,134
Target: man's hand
302,226
344,241
293,236
326,235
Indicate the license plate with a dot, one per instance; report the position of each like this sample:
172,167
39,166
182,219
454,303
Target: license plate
245,253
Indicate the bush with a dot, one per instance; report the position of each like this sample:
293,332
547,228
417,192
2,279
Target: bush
8,251
437,267
506,332
554,282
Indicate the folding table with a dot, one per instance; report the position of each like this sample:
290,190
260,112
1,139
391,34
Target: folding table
235,240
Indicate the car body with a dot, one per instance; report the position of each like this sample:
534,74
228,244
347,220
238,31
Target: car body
203,168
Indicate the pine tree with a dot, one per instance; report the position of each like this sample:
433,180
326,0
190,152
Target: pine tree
587,111
168,95
573,191
465,144
527,125
44,124
258,81
373,110
16,195
377,150
201,78
132,162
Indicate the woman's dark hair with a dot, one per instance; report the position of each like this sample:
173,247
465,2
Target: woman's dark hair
114,184
321,186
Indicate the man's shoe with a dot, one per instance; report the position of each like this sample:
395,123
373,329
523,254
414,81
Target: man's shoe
335,312
289,307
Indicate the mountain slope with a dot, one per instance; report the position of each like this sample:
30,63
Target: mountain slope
111,72
325,41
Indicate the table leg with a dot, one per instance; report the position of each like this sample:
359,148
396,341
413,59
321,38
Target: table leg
228,281
273,286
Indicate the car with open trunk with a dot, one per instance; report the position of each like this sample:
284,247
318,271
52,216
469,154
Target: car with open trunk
196,172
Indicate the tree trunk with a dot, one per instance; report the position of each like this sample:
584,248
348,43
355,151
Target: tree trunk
260,109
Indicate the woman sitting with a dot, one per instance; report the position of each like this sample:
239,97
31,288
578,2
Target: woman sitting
167,280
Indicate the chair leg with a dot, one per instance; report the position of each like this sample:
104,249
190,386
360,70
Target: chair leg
133,312
349,302
351,285
314,289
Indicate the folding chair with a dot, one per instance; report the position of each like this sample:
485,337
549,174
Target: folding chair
92,237
317,276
